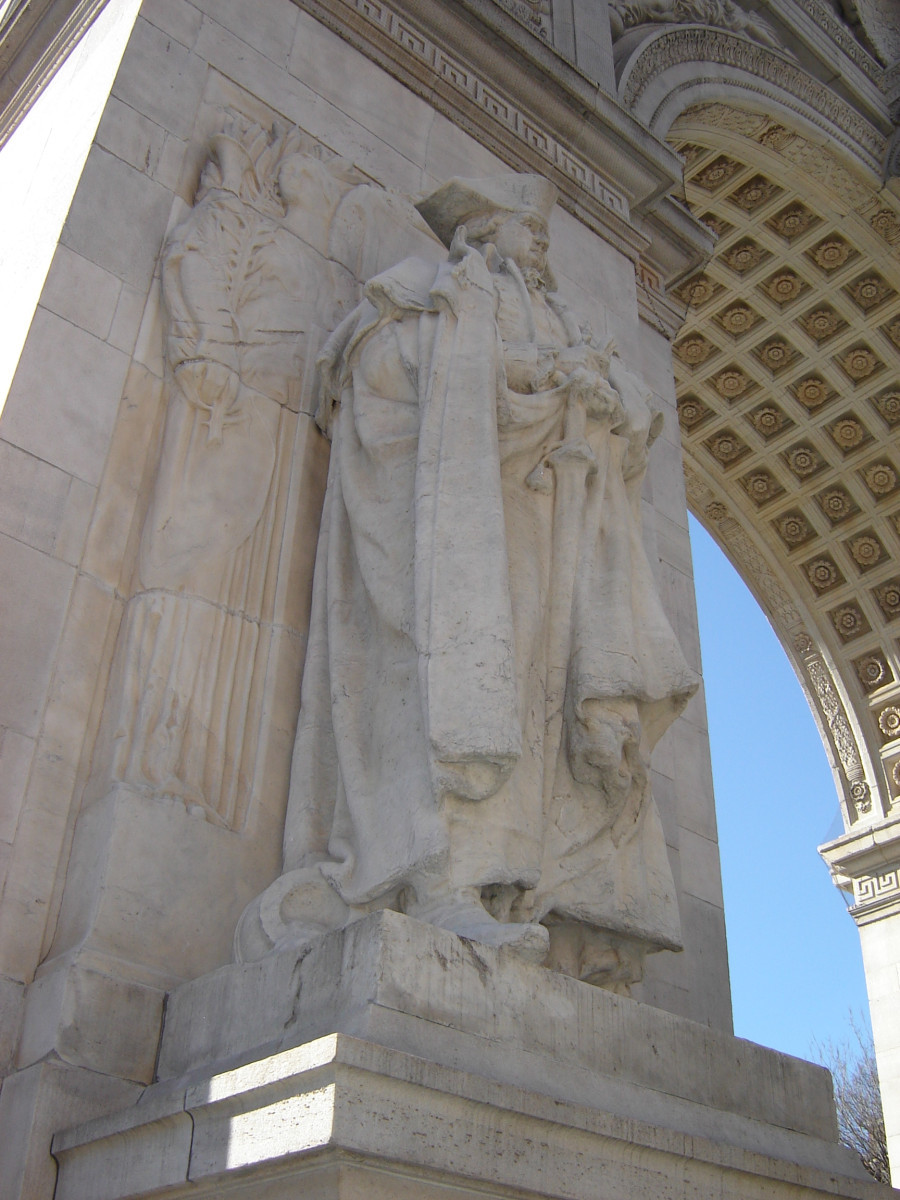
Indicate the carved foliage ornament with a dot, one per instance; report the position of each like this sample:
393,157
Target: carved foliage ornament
835,718
723,14
794,528
812,392
873,671
744,256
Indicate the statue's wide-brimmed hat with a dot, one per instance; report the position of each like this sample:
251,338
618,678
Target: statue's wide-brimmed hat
459,201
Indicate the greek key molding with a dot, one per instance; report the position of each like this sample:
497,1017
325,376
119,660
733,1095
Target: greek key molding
877,888
787,82
463,80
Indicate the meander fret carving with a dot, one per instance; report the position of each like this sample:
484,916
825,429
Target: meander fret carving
876,888
253,279
795,87
453,72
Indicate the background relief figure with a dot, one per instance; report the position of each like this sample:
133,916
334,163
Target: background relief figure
489,665
249,294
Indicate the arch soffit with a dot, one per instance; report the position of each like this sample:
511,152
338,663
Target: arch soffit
677,67
770,444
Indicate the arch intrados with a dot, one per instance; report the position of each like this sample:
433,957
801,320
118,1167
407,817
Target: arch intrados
846,714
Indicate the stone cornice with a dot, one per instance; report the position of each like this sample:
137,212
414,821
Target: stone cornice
869,861
532,108
34,44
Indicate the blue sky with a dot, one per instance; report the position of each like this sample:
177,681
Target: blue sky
796,967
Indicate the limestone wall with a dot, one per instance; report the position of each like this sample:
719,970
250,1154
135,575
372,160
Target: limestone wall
112,897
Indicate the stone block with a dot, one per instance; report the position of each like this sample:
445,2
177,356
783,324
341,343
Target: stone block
130,136
455,1071
34,593
130,856
692,775
700,872
89,1018
374,102
118,218
35,1103
449,150
42,506
160,78
16,753
175,18
667,473
81,292
427,992
64,397
127,318
268,26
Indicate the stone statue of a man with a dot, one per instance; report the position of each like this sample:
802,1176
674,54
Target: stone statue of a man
489,665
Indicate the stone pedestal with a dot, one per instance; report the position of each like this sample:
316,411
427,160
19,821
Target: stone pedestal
397,1060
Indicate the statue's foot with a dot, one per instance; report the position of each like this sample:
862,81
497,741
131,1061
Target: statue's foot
296,909
465,916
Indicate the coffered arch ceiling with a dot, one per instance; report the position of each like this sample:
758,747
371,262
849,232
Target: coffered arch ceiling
788,379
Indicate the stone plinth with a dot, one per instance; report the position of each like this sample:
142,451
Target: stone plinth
394,1059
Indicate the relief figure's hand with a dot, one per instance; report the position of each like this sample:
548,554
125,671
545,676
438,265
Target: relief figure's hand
213,387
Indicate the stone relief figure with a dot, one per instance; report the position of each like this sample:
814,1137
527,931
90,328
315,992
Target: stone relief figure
249,295
721,14
489,665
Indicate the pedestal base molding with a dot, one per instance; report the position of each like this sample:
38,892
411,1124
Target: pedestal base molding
451,1069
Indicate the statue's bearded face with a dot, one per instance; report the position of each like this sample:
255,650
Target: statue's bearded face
523,238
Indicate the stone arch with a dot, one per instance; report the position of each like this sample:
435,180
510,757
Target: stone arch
788,365
662,72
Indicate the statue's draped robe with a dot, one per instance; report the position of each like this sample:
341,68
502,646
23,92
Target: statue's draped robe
432,740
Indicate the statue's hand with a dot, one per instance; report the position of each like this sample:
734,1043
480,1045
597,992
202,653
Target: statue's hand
471,267
571,358
213,387
600,400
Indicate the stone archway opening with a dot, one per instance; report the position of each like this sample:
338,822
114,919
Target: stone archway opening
788,377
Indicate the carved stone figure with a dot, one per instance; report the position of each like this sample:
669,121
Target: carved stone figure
249,296
489,665
721,14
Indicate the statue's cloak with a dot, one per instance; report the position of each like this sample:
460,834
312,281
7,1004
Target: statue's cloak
437,700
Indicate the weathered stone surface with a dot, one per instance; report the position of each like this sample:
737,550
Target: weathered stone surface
340,1113
454,1065
424,991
